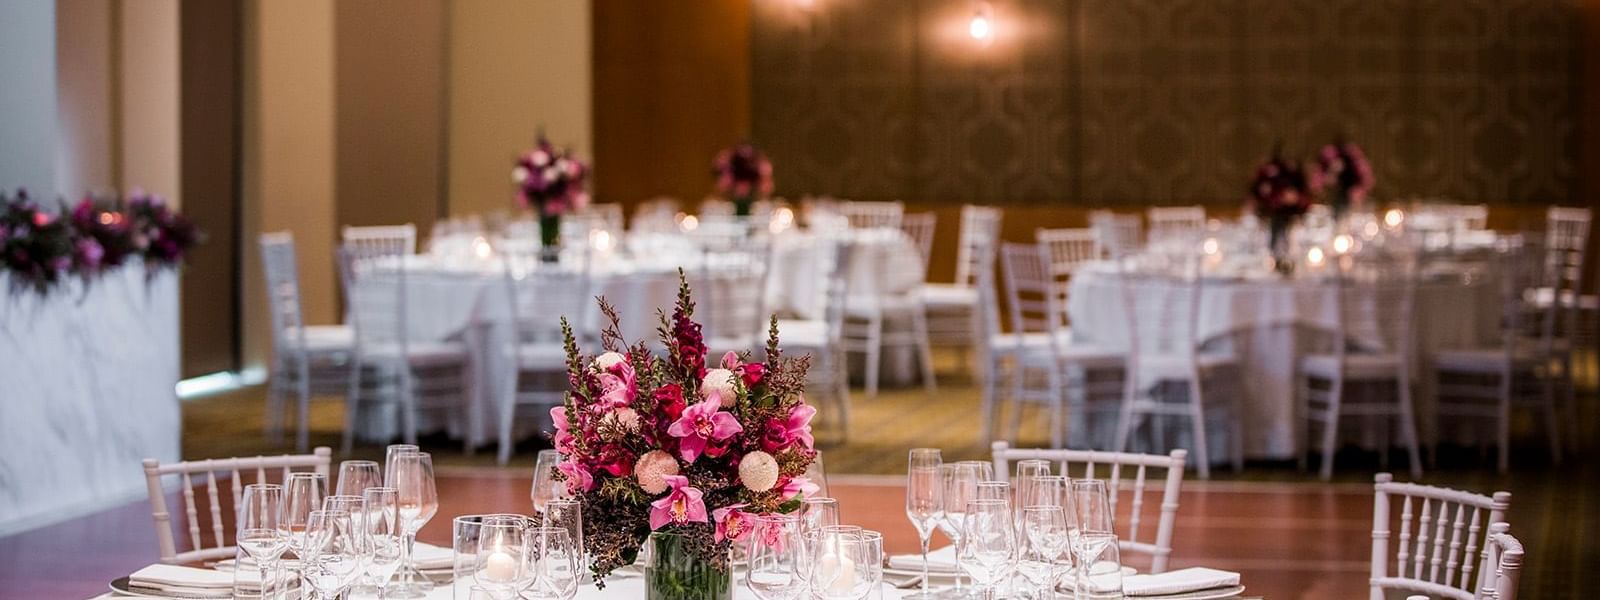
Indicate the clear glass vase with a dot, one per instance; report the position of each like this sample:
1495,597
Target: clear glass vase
672,572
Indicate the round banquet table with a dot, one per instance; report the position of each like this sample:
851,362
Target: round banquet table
463,298
1267,322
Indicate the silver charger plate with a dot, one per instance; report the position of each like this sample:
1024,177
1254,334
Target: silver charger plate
122,586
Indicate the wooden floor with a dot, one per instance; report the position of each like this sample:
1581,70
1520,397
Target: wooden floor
1289,540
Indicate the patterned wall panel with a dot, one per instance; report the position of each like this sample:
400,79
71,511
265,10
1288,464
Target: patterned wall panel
1138,102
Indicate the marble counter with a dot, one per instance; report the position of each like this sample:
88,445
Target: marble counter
87,378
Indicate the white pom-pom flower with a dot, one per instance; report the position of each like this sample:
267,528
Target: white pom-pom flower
625,418
719,381
604,362
758,471
519,174
652,470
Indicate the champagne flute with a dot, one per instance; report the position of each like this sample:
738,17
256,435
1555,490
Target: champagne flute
924,496
259,532
775,571
389,454
501,559
418,500
555,561
545,485
1028,471
960,482
355,476
303,493
384,534
987,546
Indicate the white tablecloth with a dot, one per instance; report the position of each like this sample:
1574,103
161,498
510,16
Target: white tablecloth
1267,323
617,588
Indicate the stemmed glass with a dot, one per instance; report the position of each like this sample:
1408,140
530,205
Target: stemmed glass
384,534
1044,535
259,527
391,453
355,476
960,482
841,560
1028,471
816,474
567,514
1099,566
984,468
545,485
333,553
1092,507
356,507
302,494
775,571
994,490
987,546
924,497
501,557
555,563
874,549
417,501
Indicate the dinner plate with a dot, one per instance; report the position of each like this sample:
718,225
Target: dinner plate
122,587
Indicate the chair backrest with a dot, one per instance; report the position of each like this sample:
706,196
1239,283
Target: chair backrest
377,297
1118,234
730,290
865,215
988,310
1443,538
609,213
1566,245
979,225
382,240
1113,467
1176,222
1030,295
1066,250
919,227
836,295
1374,301
283,293
656,215
1164,313
541,294
1502,564
214,546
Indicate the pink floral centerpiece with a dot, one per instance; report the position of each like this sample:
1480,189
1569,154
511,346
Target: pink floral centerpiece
550,182
1348,175
744,175
678,453
1281,192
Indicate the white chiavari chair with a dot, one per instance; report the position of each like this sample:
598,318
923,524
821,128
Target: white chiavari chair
1047,367
1566,247
1165,357
1176,222
656,215
1505,558
730,284
306,359
873,308
1372,341
954,308
872,215
540,296
381,240
211,546
389,367
609,215
1443,538
1119,235
1114,467
1488,383
1466,217
1065,250
822,339
920,228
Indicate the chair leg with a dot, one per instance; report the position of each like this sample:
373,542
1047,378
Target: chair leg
1058,408
919,328
408,403
988,374
1197,418
1236,412
1014,429
1330,432
1552,421
508,413
272,424
302,440
874,354
841,380
352,403
1130,391
1408,427
1503,427
1302,404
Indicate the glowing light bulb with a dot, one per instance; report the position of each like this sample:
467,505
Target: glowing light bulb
1314,256
689,223
1342,243
600,239
1210,246
480,247
1370,230
1394,217
981,27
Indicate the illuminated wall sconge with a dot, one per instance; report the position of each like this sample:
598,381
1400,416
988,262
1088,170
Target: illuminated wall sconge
981,27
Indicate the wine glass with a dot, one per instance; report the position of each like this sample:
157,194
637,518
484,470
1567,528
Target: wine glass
384,534
1092,507
501,559
994,490
555,563
924,496
875,558
987,545
567,514
355,476
545,485
1099,566
389,454
1022,484
356,506
1044,535
960,483
775,571
840,568
817,475
258,528
417,500
985,468
302,494
333,553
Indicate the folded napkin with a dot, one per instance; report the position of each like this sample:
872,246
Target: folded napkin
943,559
178,576
1177,582
430,557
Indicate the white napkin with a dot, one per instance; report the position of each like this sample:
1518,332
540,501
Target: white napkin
1177,582
160,575
943,559
429,557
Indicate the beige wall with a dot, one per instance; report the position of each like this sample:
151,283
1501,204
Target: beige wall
288,143
149,124
85,96
515,67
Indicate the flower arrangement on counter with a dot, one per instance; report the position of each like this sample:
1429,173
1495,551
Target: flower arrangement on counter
743,175
550,182
680,453
1344,169
40,248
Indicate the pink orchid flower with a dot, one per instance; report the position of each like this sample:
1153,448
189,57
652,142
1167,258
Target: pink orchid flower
614,391
681,505
798,486
701,424
732,523
563,436
578,478
796,428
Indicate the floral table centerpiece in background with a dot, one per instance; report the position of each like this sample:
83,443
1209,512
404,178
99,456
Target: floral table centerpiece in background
1348,175
1281,193
40,248
551,183
678,454
744,175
